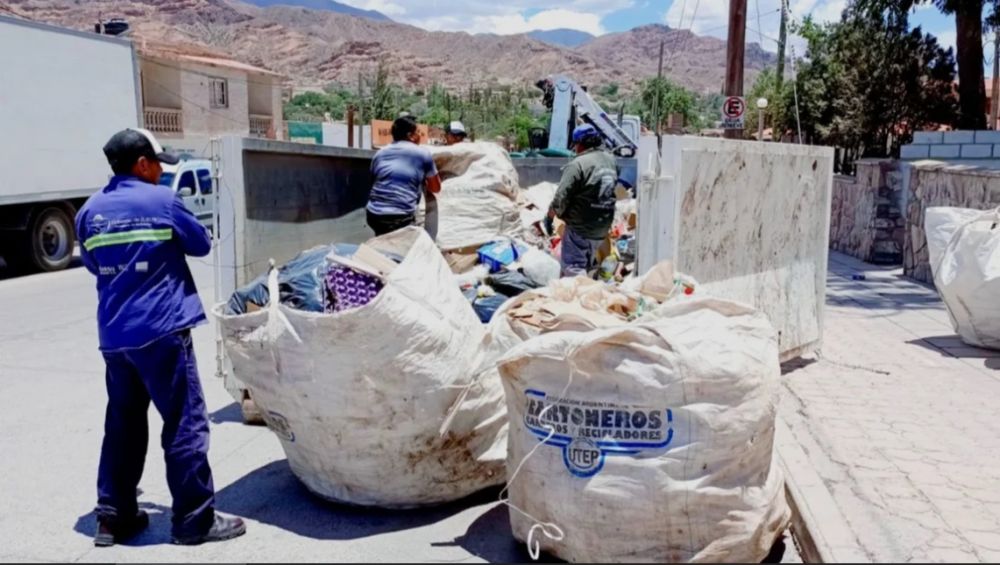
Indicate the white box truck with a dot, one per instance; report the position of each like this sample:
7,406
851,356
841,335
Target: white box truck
64,93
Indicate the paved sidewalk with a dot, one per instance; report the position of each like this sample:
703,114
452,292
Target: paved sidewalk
899,419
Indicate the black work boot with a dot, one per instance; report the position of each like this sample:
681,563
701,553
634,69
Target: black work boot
223,528
113,530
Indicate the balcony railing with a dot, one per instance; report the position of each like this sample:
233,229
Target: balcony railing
261,126
163,120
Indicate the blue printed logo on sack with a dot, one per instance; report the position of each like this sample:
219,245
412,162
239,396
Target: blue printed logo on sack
589,431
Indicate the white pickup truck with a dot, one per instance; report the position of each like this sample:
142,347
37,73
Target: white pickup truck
192,179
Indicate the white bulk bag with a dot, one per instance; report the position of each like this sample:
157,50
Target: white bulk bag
661,446
358,397
964,248
478,199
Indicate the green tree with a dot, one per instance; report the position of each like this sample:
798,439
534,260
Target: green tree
610,90
314,106
488,111
766,86
708,110
662,96
866,84
382,103
969,45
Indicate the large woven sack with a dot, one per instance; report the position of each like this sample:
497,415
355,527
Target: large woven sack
964,249
478,199
358,398
649,442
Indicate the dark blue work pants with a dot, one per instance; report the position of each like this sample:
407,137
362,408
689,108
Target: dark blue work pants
579,254
166,372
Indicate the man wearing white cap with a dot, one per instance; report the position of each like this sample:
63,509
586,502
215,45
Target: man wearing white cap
454,133
135,235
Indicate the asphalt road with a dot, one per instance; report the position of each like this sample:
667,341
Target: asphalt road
52,402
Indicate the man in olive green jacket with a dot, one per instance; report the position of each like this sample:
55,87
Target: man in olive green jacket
585,201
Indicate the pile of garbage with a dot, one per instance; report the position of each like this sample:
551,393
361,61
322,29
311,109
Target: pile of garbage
503,270
478,199
615,258
490,274
357,392
964,249
642,413
326,278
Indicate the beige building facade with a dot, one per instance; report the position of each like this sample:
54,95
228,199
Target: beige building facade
191,96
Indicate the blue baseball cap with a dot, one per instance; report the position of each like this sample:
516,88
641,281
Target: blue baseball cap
584,132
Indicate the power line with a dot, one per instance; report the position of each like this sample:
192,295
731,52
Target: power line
759,25
680,22
694,13
724,26
763,36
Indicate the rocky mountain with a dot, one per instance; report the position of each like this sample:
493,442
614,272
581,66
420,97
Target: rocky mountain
317,47
561,37
328,5
697,62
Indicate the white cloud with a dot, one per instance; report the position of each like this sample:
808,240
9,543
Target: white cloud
387,7
946,38
509,24
501,17
554,19
706,16
830,11
763,17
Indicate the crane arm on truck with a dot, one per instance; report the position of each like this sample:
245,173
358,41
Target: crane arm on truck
569,102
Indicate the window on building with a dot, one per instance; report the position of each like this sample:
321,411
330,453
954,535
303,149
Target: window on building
219,92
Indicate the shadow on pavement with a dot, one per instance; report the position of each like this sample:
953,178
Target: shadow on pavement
227,414
158,532
489,538
797,363
272,495
880,294
777,553
7,272
952,346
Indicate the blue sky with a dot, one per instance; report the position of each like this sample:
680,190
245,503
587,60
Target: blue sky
705,17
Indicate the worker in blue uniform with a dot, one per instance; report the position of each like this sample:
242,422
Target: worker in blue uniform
134,237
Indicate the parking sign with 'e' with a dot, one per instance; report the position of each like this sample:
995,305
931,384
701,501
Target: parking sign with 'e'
733,110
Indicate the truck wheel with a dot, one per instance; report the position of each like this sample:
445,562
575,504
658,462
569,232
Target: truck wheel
48,242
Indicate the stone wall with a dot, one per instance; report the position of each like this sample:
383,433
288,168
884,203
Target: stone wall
932,183
866,219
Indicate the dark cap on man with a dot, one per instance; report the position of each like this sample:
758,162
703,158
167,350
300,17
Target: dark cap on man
125,147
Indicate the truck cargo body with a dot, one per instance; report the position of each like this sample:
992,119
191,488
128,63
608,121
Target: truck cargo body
65,92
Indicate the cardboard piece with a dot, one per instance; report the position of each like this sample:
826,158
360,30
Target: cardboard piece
659,281
366,260
462,260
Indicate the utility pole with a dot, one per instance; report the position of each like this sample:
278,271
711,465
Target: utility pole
656,103
735,52
995,105
350,125
361,105
782,39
